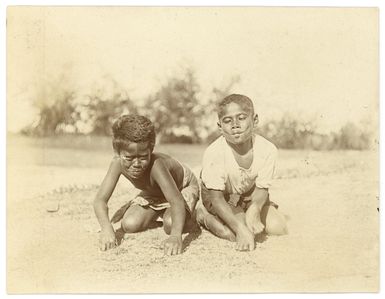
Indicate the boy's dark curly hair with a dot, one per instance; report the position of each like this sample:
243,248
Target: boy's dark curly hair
239,99
132,128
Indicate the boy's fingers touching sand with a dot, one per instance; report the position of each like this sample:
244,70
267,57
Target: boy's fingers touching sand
253,219
172,245
244,240
107,240
255,226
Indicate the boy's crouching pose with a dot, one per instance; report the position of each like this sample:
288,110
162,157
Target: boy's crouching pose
237,172
168,188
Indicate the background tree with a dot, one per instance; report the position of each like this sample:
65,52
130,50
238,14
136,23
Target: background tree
55,100
176,110
210,119
181,112
103,112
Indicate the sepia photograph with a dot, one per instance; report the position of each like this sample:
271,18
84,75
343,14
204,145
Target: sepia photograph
222,149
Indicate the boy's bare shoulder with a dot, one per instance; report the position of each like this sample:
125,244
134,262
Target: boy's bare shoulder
164,160
115,159
115,162
115,167
163,164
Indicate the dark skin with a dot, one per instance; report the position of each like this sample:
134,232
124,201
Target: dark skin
156,173
234,224
236,125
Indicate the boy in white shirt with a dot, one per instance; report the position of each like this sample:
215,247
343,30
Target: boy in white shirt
237,172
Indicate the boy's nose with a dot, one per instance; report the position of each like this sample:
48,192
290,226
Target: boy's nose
136,163
236,124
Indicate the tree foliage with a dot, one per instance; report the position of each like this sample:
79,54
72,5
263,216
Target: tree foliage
180,112
292,133
102,112
55,101
176,110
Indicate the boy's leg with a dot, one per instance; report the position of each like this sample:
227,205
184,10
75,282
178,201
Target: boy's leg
138,218
213,223
167,221
228,213
275,223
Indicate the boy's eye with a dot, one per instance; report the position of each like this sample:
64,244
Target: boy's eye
227,120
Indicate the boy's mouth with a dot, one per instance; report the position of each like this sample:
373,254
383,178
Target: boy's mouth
136,172
237,134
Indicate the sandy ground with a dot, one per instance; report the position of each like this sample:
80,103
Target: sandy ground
330,201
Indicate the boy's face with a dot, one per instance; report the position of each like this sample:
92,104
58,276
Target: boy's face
135,159
236,124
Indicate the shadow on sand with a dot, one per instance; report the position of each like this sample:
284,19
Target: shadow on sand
193,234
119,233
260,238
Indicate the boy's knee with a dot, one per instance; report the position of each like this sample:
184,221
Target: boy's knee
276,226
131,225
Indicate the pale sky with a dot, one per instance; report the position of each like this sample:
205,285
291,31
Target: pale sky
313,62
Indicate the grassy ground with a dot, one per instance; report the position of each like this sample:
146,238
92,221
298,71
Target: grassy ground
330,199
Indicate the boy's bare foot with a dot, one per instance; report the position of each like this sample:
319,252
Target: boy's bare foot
245,239
253,219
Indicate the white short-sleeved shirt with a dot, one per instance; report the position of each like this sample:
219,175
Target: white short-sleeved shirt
220,170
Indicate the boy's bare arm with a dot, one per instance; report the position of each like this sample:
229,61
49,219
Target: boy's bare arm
253,213
244,237
105,192
259,196
223,209
162,176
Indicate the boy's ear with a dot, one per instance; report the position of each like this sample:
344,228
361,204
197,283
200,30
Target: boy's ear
256,119
219,126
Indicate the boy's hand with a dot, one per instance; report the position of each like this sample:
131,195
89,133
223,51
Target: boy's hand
253,219
107,239
172,245
244,239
